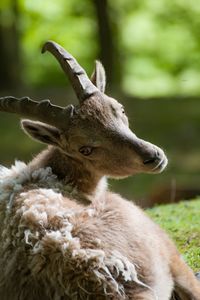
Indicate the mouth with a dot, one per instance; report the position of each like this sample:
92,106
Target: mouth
161,165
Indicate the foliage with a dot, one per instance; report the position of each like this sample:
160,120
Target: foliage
62,21
162,46
182,222
158,41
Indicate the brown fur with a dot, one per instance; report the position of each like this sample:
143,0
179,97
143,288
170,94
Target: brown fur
110,223
114,225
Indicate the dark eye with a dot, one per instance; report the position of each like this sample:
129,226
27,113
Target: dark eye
85,150
123,111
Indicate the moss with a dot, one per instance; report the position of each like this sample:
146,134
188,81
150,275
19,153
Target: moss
182,222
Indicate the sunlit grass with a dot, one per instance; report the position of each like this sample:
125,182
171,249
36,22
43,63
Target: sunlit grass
182,222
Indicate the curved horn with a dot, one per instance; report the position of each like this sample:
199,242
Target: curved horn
82,85
42,111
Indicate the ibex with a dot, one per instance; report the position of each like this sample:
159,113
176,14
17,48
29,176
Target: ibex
63,234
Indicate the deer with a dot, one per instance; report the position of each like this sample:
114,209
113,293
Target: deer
64,234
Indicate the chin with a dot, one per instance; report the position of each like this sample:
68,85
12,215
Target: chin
125,174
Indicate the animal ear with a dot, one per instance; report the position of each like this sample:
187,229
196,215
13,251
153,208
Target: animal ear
42,132
98,77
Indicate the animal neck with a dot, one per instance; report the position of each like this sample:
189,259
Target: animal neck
71,172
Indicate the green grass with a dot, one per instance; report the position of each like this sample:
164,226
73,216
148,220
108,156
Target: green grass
182,222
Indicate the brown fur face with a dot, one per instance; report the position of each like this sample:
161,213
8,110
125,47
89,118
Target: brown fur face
102,125
98,136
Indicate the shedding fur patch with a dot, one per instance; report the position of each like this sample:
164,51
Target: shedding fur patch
41,227
104,268
13,180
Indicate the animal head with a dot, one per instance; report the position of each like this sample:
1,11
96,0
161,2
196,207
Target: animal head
95,132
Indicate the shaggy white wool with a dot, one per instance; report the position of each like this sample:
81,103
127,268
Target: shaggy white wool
106,268
12,180
39,209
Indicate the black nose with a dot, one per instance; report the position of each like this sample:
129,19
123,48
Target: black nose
152,159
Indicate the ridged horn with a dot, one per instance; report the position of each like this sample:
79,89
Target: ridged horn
82,85
42,111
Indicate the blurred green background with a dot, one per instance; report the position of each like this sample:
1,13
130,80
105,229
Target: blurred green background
151,53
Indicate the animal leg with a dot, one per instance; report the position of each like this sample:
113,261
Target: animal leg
187,286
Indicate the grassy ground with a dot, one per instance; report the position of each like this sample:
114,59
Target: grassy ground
182,222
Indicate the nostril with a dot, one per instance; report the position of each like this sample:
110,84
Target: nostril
158,154
152,159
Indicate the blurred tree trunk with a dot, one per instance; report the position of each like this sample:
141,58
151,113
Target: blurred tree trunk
108,46
9,50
